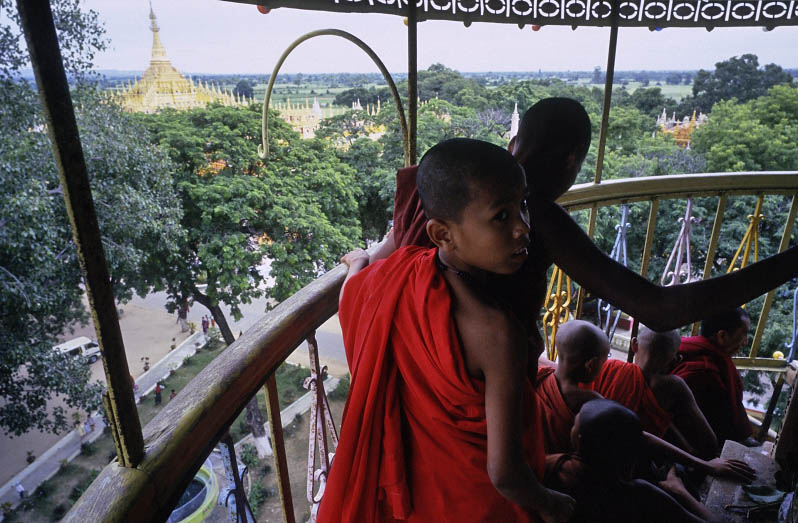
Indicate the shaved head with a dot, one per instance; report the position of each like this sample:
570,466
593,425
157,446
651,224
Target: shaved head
657,347
579,341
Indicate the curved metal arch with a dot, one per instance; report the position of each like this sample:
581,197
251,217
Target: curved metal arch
263,148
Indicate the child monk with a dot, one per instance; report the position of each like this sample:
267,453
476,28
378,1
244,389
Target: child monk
582,350
655,355
552,142
607,439
440,422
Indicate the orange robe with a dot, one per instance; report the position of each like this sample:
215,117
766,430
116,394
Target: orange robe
413,440
556,418
624,382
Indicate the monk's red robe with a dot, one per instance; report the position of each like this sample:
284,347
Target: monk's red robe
711,375
624,382
409,221
556,418
413,440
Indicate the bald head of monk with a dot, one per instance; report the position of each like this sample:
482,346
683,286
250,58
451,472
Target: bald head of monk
655,352
582,349
552,142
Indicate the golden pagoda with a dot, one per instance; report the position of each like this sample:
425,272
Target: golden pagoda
680,130
163,86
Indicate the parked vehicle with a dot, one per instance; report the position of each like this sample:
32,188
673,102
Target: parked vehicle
80,346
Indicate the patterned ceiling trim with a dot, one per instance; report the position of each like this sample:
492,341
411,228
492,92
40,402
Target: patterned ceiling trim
640,13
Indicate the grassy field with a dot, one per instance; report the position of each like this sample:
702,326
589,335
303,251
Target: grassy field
677,92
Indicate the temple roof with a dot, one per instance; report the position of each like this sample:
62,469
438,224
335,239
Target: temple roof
638,13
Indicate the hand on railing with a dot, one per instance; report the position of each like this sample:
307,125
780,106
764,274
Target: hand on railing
356,259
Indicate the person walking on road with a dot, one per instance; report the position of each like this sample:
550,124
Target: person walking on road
158,390
20,489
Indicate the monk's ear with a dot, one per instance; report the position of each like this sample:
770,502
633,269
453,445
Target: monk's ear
634,345
511,145
441,235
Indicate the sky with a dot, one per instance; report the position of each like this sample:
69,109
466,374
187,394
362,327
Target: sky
216,36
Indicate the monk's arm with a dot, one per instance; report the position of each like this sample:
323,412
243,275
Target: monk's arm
690,421
501,355
384,249
661,308
720,467
355,262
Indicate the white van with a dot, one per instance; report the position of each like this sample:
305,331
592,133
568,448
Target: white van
81,346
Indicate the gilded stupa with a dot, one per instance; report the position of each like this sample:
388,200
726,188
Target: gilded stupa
164,86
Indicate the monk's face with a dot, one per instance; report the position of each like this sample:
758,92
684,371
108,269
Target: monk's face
735,340
493,232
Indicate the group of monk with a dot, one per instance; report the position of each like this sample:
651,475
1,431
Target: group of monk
450,418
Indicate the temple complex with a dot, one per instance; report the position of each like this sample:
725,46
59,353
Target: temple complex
681,130
164,86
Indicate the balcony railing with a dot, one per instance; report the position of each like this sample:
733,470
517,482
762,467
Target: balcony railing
180,437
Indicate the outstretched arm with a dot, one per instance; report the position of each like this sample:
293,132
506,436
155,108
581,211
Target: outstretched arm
661,308
726,468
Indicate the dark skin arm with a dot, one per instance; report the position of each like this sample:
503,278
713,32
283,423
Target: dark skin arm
661,308
495,350
723,468
687,417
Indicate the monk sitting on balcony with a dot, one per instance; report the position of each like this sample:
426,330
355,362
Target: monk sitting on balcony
552,142
440,422
655,354
582,350
607,439
707,368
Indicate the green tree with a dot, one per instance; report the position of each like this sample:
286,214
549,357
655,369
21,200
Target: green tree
244,88
299,210
757,135
738,77
40,294
40,279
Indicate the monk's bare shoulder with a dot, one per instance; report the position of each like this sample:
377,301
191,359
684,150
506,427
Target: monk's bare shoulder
486,331
670,391
576,397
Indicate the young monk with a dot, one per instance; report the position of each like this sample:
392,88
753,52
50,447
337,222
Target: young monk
582,350
707,368
431,430
553,139
655,354
607,439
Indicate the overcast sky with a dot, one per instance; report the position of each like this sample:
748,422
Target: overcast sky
215,36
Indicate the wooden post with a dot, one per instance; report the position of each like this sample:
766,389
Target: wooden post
412,81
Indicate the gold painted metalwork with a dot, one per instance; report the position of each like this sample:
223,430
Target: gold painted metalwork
558,301
751,238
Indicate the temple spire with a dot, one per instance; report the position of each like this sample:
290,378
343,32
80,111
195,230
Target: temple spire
158,51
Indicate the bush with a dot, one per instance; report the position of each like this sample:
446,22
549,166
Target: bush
81,487
249,456
59,512
257,495
87,449
43,490
341,391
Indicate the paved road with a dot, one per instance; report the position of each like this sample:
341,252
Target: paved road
328,336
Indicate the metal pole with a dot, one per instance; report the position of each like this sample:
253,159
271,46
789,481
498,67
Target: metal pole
605,111
412,80
37,24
